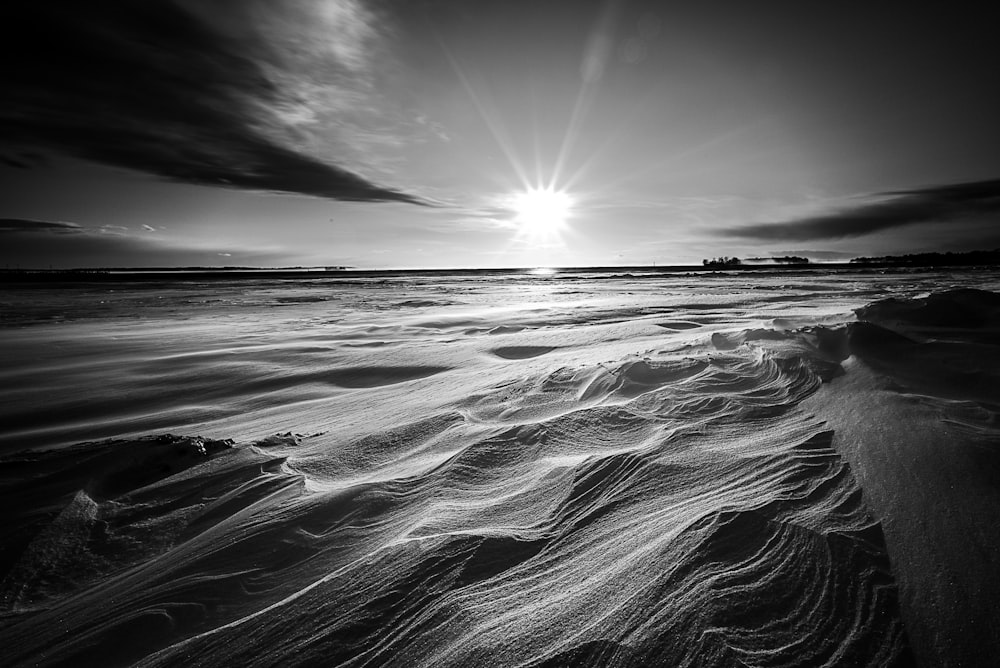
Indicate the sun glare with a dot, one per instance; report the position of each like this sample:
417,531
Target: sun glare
541,211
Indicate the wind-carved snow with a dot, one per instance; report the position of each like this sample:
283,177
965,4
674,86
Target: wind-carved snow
470,471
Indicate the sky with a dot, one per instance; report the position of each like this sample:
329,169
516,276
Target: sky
493,133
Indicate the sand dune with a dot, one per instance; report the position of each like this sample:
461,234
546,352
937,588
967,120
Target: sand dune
567,482
918,418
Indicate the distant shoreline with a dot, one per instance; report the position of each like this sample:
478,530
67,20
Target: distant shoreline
209,274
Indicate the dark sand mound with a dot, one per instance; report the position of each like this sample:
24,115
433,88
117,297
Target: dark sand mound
679,325
919,419
53,537
92,522
973,314
521,352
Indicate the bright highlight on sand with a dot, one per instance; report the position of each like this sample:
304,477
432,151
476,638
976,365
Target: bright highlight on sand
542,211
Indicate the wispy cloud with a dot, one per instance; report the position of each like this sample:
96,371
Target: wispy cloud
266,95
21,159
886,211
21,225
40,244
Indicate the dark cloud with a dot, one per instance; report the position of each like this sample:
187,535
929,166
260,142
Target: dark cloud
21,159
22,225
891,210
201,93
33,244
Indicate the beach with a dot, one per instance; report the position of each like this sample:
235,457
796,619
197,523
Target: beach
794,467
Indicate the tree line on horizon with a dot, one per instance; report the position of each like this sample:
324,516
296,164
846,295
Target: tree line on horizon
967,258
725,261
722,262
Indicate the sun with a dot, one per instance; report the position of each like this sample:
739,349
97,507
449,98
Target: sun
541,211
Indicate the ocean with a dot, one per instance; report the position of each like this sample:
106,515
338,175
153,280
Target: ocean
622,468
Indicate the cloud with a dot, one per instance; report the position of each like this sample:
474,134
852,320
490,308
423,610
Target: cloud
255,94
21,159
40,244
148,228
889,210
22,225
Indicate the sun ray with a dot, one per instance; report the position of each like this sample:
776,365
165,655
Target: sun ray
595,59
492,124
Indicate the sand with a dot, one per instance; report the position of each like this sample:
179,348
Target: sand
796,468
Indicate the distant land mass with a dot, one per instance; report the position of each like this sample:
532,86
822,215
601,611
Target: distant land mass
976,258
779,259
782,259
961,259
968,258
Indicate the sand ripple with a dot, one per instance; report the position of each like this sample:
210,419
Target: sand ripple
667,471
674,509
